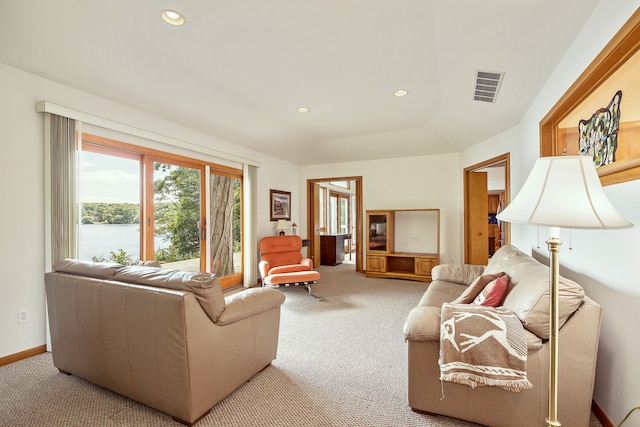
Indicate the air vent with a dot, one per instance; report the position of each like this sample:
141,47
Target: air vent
487,85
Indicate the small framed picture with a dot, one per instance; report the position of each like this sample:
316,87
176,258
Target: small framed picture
280,205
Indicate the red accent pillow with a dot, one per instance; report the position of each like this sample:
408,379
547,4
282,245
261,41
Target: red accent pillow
493,294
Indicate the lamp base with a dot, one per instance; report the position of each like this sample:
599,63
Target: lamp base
552,423
281,233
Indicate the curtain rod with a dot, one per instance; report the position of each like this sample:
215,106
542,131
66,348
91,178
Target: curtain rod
49,107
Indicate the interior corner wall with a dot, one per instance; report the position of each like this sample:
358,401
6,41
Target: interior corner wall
22,263
419,182
603,262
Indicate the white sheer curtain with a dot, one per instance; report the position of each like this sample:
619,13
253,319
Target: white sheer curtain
250,183
61,189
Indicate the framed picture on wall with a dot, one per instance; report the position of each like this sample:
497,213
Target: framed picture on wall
280,204
594,118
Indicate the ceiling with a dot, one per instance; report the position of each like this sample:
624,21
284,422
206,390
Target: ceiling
238,70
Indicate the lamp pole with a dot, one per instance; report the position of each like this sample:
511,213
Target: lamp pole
553,244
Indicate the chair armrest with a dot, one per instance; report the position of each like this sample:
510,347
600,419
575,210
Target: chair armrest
249,303
308,262
463,274
422,324
263,267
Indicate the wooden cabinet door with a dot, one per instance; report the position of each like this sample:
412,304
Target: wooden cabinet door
424,266
377,264
380,232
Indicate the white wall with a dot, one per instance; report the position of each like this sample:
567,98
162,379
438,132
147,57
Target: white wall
404,183
22,261
603,262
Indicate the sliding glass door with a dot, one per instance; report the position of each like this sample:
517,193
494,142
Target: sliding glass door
176,216
143,204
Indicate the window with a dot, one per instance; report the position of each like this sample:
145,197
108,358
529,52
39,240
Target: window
338,213
110,207
138,203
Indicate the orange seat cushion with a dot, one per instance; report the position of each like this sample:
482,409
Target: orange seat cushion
293,277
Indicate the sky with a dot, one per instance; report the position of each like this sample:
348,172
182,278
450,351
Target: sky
109,179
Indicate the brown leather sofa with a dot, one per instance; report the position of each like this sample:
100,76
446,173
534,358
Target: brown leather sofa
529,298
164,338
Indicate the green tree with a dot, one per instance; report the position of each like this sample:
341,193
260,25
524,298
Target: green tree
179,193
119,256
110,213
237,219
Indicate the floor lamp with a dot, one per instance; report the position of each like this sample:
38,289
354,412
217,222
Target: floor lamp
561,192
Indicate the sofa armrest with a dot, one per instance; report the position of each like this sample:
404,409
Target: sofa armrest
249,303
422,324
463,274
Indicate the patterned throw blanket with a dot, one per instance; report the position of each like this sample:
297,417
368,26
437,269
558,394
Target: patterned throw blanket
483,346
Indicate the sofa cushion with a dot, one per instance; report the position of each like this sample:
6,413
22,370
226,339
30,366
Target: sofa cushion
493,294
293,277
98,270
475,288
529,297
462,274
288,269
204,286
440,292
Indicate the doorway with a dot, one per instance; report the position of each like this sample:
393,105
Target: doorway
487,190
334,208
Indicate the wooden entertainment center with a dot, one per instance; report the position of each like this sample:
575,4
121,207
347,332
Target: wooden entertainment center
403,243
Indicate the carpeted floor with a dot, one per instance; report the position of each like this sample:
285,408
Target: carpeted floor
341,362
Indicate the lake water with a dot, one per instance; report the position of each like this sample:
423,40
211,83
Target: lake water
100,239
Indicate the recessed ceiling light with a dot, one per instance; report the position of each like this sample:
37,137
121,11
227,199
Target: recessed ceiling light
401,92
303,109
172,17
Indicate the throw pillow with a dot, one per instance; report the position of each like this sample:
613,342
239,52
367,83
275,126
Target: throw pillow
475,287
493,294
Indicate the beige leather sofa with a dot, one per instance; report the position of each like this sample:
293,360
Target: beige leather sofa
529,299
167,339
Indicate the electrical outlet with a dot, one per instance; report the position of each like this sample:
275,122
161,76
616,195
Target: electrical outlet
23,315
453,260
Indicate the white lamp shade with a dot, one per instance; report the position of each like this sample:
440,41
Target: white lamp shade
565,192
281,225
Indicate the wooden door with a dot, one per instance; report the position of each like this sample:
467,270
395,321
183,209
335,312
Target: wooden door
314,189
477,226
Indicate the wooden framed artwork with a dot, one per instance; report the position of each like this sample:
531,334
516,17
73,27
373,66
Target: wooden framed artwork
599,115
280,205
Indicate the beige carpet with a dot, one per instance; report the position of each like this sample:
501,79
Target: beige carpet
341,362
